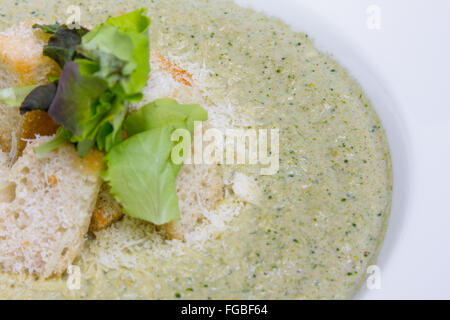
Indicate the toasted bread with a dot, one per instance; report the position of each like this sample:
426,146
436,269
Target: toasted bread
45,209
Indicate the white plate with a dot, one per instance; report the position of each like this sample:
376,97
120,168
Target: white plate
404,68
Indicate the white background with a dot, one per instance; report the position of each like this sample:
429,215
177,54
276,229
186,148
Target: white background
405,69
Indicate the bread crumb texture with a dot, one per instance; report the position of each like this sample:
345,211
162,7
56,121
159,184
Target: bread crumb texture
45,209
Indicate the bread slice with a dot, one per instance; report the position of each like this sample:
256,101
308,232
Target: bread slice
21,63
45,209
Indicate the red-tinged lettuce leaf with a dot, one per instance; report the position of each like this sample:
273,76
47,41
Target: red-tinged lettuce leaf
62,45
29,98
103,70
39,99
142,176
77,105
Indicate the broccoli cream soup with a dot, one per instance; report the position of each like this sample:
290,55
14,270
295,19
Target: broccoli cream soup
320,217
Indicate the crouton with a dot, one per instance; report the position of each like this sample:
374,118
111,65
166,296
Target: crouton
35,123
107,210
45,209
21,63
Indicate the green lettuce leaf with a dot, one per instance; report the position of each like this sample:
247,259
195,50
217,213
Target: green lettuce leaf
62,136
120,45
140,170
84,146
164,112
110,129
48,28
110,70
142,176
13,97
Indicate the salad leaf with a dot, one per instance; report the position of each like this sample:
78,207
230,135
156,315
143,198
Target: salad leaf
164,112
62,45
142,176
77,105
13,97
135,21
140,169
109,70
120,45
62,136
48,28
39,99
29,98
110,132
84,146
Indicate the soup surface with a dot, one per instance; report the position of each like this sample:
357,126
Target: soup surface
323,215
